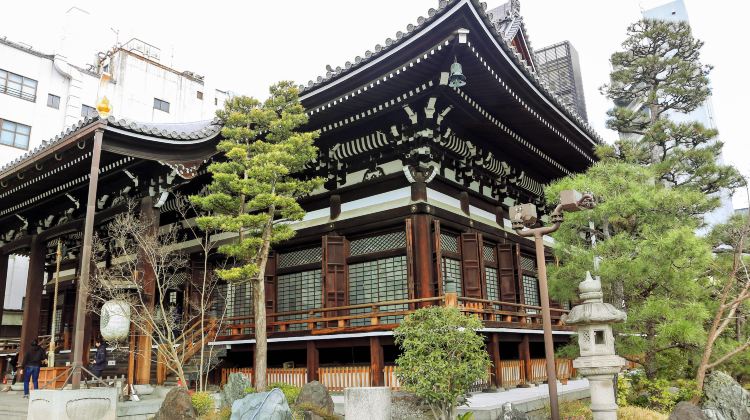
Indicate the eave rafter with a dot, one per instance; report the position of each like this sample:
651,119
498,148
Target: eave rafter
425,138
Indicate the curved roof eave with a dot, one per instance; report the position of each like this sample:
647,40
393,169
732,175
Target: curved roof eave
425,25
169,133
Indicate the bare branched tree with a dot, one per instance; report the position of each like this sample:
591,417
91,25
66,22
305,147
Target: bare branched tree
133,245
734,284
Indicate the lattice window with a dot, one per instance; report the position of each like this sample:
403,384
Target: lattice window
378,281
233,300
297,292
393,240
301,257
451,269
531,292
528,264
490,275
489,253
448,242
57,328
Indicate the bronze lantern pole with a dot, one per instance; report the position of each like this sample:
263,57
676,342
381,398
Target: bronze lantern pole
522,218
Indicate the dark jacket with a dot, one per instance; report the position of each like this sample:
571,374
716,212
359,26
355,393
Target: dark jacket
100,358
34,356
14,362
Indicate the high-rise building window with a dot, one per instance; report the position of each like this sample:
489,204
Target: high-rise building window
17,85
199,95
14,134
53,101
88,111
161,105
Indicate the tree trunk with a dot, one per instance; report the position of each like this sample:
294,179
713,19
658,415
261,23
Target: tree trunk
259,306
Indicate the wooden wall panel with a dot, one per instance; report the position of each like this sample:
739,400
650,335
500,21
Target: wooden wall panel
471,264
335,282
507,269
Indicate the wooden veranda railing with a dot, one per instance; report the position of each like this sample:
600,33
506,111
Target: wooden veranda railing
381,316
509,312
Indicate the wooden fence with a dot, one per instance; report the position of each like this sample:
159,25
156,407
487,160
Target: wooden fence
245,371
538,371
389,372
512,373
565,370
291,376
338,378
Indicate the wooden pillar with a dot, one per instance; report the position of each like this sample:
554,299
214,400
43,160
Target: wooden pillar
376,362
148,280
131,357
423,265
80,348
33,300
313,361
3,279
493,348
524,353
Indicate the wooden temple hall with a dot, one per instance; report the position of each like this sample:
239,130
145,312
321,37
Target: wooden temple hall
420,171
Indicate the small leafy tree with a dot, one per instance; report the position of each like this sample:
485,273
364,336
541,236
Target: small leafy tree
254,190
442,355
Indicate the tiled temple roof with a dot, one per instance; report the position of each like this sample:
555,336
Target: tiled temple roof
497,26
171,131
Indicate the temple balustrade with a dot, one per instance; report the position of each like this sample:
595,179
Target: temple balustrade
383,316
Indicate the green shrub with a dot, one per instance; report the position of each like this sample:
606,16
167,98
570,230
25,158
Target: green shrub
249,390
623,390
203,402
291,392
659,394
442,355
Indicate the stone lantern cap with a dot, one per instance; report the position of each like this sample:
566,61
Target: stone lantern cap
593,310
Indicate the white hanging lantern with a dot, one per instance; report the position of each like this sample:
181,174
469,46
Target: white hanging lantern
115,320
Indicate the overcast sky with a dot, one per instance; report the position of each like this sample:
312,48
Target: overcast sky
245,46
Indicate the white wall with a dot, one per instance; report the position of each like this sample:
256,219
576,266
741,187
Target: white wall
135,83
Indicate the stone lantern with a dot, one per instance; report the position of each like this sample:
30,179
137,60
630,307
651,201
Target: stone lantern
598,362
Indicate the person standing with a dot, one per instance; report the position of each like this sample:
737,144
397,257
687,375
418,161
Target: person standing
32,362
100,358
13,362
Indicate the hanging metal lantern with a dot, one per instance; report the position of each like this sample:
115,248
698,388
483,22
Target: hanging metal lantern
456,77
115,320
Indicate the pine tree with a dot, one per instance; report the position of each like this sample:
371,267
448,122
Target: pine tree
254,190
657,75
653,186
651,262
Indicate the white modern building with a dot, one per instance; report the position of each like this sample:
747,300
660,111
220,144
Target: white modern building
43,93
675,11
